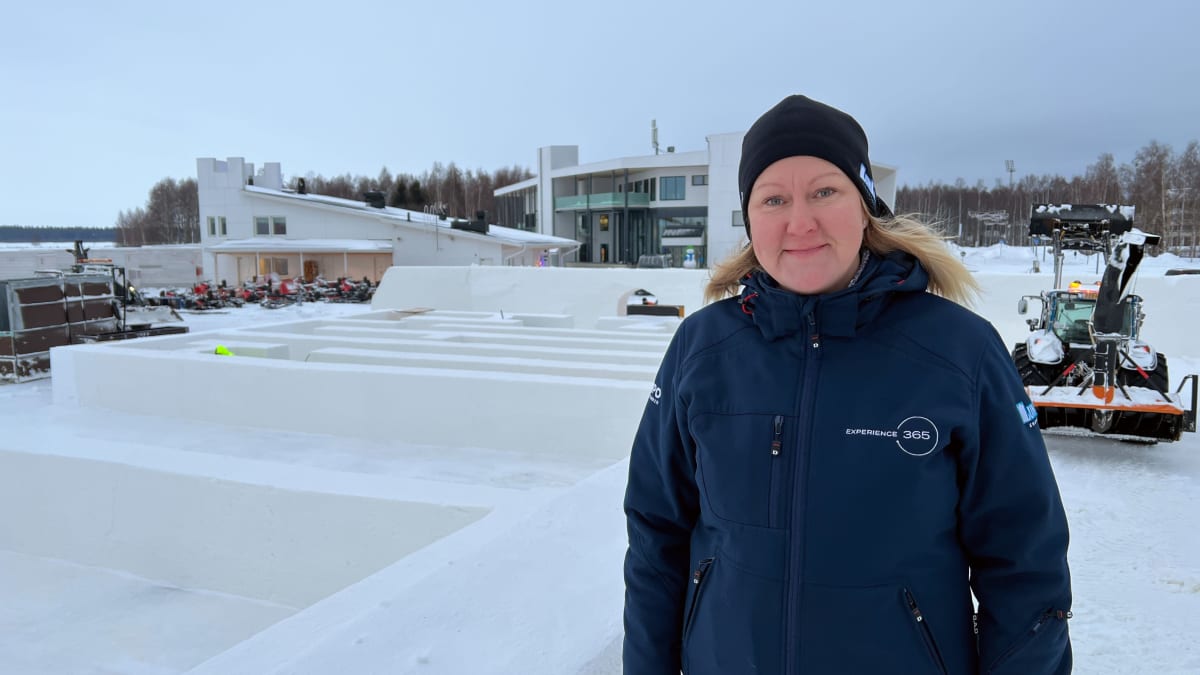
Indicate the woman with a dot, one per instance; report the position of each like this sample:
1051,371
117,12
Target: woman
838,458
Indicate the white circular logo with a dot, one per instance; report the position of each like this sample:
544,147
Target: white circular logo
917,436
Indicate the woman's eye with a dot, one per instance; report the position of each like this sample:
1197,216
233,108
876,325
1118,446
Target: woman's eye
773,201
825,192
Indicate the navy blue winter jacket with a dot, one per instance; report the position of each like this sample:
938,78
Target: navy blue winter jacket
819,483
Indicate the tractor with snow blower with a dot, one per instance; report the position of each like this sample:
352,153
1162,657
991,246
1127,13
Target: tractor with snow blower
1085,363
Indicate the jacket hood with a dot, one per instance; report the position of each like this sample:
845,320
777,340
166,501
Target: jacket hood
778,312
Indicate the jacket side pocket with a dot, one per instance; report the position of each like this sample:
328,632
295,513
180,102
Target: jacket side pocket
923,631
697,589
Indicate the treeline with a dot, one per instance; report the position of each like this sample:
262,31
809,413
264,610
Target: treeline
172,211
443,189
171,216
38,235
1163,185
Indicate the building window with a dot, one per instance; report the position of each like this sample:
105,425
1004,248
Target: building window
264,225
738,221
212,226
700,179
671,187
267,266
224,231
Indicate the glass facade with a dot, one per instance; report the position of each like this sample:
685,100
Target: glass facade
617,216
683,235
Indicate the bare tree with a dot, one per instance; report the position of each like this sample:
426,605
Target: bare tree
171,216
1102,181
452,191
384,181
1148,184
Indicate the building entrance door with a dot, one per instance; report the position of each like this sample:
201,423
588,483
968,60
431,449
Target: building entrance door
583,234
636,238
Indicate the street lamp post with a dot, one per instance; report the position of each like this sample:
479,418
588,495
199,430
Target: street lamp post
1010,166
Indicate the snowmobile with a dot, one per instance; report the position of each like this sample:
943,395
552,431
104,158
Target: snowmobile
1085,363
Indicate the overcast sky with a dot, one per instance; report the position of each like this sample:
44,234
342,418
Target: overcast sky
98,104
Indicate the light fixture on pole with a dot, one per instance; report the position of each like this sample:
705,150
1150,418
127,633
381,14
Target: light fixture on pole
1010,166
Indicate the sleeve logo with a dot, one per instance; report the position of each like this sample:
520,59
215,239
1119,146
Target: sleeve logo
1027,413
655,394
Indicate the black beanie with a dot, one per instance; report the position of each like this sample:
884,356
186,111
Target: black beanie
798,125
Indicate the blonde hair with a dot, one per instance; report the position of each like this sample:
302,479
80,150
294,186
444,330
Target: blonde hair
948,277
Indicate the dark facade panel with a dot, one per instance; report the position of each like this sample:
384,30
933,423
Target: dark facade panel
42,315
44,312
26,342
49,292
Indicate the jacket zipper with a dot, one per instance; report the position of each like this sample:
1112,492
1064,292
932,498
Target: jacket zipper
795,589
1061,615
776,449
926,633
697,586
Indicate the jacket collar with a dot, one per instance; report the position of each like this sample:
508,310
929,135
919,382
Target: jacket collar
778,312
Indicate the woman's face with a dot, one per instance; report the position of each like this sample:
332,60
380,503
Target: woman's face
806,224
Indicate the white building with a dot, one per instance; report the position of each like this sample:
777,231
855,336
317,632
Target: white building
252,226
620,209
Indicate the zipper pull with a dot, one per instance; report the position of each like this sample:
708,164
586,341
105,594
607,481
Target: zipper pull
699,573
1040,622
912,606
814,337
777,443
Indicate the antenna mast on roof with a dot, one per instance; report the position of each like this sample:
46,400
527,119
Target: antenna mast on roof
654,135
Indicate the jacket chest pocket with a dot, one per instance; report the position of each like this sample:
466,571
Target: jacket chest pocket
745,465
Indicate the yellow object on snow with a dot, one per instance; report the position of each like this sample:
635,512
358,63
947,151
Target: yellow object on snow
223,351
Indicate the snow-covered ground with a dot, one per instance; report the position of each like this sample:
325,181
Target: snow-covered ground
1132,509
